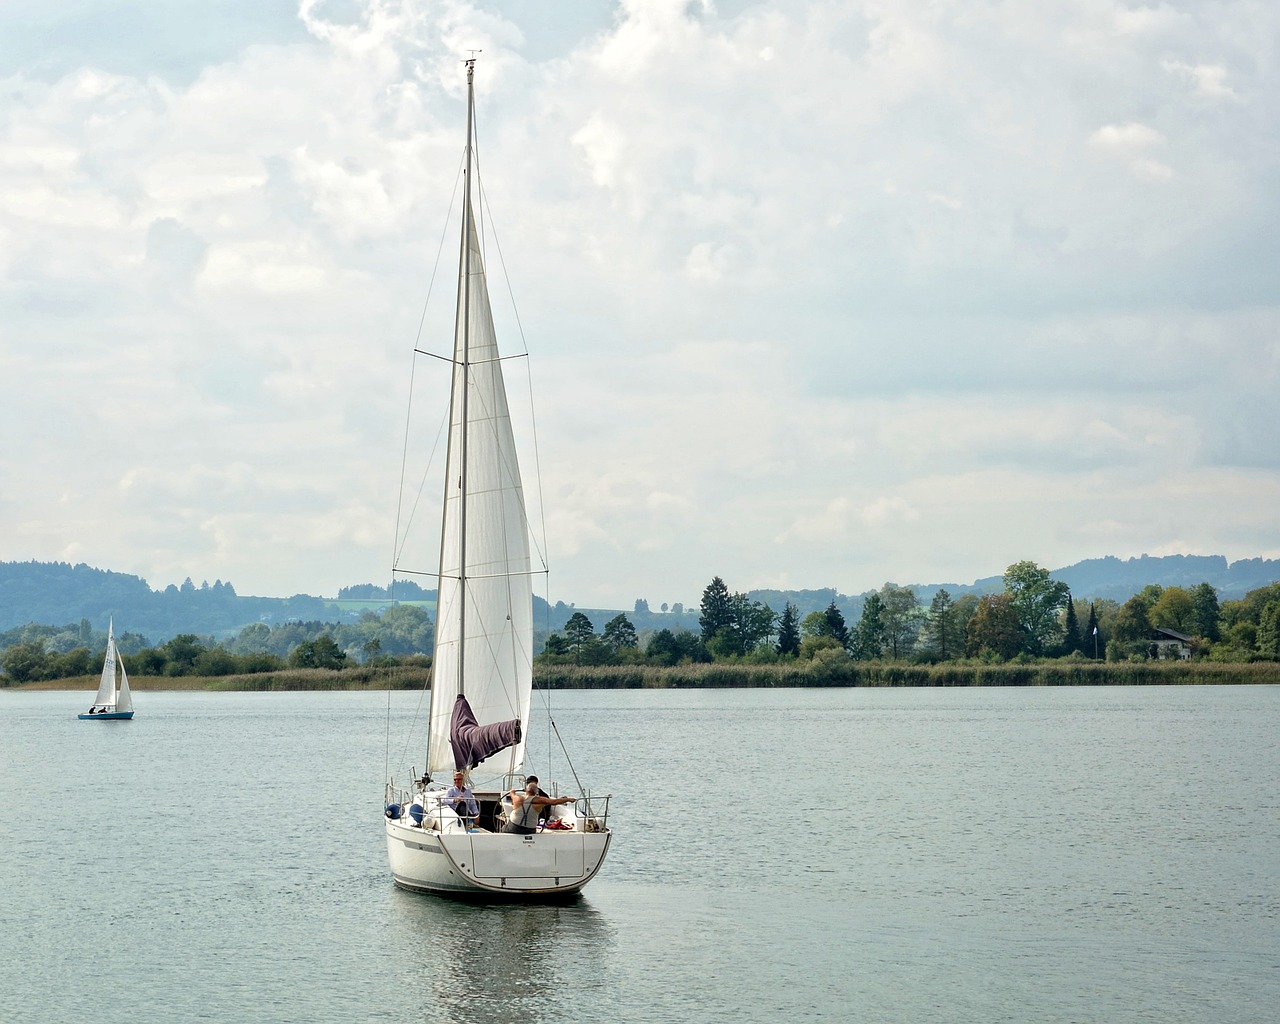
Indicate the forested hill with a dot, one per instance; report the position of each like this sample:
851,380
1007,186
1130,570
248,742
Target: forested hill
1109,578
56,593
1120,578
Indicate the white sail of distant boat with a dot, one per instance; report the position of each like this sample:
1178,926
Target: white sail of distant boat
113,700
482,667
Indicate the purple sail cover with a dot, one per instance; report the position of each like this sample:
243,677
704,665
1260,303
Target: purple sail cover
473,742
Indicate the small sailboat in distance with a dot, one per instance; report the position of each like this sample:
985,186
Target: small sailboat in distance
110,703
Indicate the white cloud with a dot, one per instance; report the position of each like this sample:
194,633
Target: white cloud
1209,80
1126,139
1131,143
828,292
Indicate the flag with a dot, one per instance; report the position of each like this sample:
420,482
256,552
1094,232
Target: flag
1095,630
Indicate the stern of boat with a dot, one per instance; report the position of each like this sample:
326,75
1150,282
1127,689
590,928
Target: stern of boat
439,855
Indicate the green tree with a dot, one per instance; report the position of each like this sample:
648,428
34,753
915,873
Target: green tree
75,662
620,633
1268,635
943,632
662,648
1070,629
404,629
1132,623
995,629
789,631
753,622
556,646
836,628
322,652
716,612
668,648
828,623
216,661
253,639
579,633
1205,612
869,636
814,624
746,625
181,652
1036,598
1173,609
25,662
901,619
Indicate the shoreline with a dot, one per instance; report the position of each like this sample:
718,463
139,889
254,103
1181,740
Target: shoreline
720,676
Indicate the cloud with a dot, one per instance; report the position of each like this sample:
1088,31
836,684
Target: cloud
1131,143
832,293
1209,80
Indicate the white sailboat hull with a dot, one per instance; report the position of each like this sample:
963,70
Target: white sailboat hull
494,865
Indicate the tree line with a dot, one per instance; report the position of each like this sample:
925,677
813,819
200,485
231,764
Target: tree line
398,635
1034,617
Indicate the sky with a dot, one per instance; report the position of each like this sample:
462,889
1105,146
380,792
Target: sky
815,294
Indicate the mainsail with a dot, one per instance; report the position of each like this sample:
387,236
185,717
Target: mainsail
484,611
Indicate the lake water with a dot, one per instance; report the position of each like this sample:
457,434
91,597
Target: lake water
1022,855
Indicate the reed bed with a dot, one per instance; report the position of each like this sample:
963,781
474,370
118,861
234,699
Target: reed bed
852,673
724,676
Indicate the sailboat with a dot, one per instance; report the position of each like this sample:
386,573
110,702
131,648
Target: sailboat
482,667
110,704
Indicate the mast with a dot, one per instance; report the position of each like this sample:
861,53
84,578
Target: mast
459,394
466,384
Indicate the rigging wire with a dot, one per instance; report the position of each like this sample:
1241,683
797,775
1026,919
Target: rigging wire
397,546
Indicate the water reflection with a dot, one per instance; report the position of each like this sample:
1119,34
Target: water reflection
483,963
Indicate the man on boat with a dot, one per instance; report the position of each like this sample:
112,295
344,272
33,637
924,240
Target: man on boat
525,807
462,800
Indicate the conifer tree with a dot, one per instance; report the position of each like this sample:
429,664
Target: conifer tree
1071,630
868,641
836,625
716,609
789,630
943,633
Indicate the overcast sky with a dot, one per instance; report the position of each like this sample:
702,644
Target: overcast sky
815,293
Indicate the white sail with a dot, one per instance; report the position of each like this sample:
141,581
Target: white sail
124,702
484,613
107,686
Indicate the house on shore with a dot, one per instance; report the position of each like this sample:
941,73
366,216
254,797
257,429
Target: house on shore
1169,644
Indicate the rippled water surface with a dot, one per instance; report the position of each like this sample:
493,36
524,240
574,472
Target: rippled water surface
1094,854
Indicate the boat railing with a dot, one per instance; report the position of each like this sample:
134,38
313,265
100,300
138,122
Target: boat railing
593,812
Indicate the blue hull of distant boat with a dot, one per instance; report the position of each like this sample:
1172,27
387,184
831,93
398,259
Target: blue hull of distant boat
110,716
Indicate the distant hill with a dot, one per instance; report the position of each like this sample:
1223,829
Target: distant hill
56,593
1110,578
1118,579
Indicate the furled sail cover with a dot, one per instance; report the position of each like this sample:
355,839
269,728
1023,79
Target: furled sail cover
489,657
472,742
